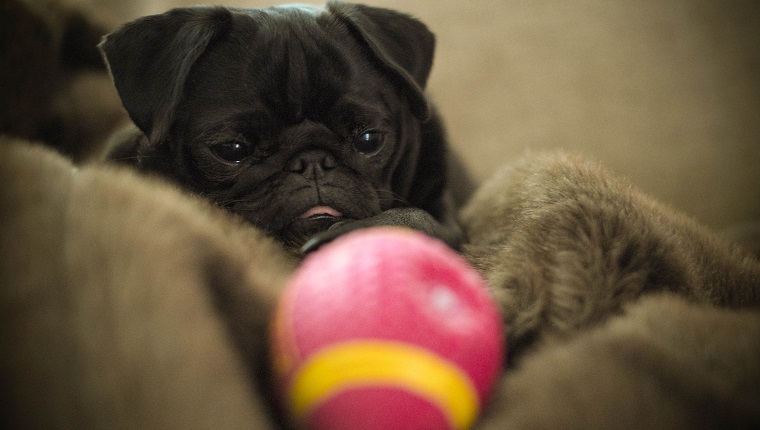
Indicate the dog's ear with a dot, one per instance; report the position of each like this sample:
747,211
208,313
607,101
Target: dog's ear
403,45
150,58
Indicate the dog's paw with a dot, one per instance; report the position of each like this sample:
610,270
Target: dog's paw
400,217
413,218
335,230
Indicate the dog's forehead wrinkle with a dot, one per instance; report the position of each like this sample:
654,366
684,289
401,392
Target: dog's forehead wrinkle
292,56
318,66
297,76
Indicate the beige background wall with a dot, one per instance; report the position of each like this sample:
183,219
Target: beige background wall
666,93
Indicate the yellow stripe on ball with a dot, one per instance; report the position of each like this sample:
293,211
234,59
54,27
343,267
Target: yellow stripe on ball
377,363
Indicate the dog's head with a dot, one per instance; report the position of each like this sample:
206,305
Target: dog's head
293,117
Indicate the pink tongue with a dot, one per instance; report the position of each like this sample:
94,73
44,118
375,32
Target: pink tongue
321,210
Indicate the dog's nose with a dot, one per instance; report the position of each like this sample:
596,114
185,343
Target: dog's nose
312,164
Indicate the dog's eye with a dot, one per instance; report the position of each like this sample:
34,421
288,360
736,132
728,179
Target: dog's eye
234,152
369,142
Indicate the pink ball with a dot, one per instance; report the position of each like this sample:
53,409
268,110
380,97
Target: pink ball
386,328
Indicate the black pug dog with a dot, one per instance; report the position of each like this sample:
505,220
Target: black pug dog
309,122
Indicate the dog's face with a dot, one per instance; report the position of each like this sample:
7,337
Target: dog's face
309,136
293,117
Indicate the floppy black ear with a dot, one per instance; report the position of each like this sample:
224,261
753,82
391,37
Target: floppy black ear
150,58
403,45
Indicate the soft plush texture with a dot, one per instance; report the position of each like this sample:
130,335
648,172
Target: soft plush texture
54,85
118,299
564,244
127,303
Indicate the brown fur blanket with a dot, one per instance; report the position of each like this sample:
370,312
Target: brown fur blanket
128,304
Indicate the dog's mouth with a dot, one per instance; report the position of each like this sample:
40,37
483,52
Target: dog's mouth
311,222
321,212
